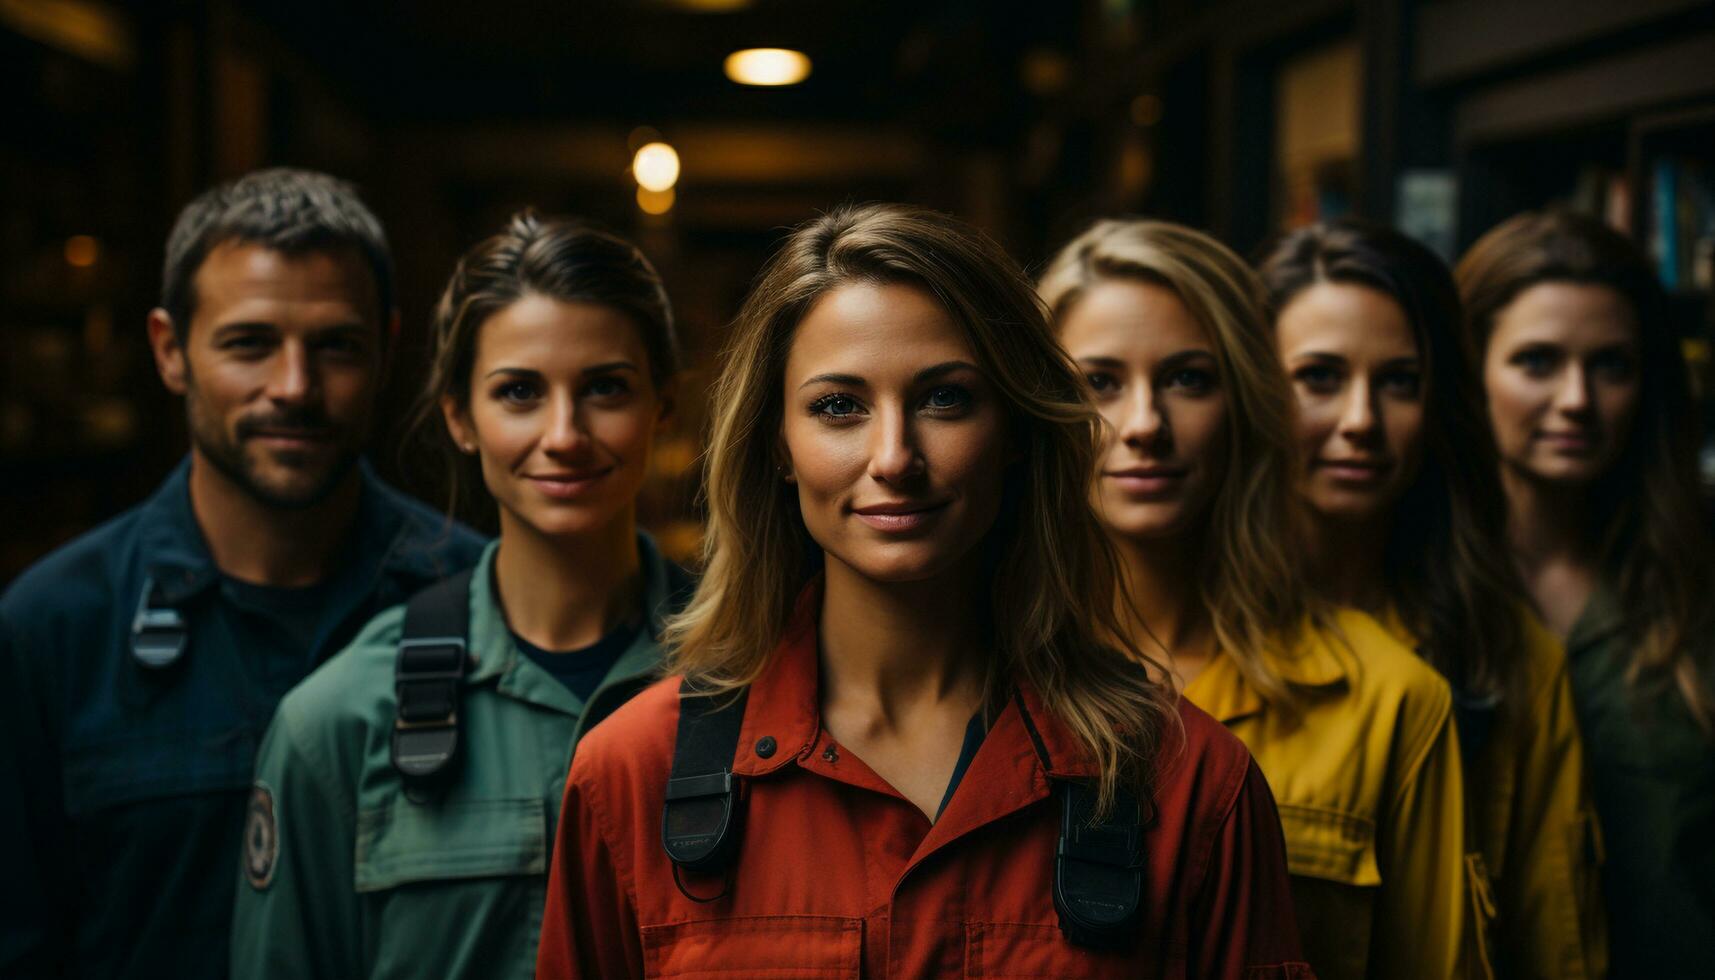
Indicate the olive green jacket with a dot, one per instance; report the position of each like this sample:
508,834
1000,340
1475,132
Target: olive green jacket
1653,769
342,876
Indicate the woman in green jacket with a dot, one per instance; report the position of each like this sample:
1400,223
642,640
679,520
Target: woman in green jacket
406,793
1588,397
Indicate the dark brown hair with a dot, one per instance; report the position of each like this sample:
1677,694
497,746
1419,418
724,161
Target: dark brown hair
1445,566
560,259
1652,533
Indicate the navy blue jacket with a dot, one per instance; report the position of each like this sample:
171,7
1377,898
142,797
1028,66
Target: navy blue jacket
122,788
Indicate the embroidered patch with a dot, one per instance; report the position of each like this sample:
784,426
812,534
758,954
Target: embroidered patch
261,838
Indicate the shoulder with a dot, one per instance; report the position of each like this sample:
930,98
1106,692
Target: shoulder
332,712
436,535
1206,769
76,583
630,752
1386,673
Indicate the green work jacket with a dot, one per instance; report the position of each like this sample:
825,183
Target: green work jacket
1653,771
343,876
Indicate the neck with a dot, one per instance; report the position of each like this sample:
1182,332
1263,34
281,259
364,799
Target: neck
1160,584
1348,561
1545,523
564,593
258,543
891,647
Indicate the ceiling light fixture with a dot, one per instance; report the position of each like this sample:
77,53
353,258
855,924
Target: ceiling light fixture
656,167
768,66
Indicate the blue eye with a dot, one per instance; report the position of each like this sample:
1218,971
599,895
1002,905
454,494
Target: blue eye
606,387
947,397
1191,379
515,391
834,406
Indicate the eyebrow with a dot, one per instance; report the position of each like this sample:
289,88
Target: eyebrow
927,374
265,326
610,367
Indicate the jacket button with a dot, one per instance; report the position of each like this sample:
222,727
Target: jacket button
765,746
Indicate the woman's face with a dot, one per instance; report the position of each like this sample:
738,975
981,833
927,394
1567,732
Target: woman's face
562,414
1358,379
1561,375
1156,381
894,437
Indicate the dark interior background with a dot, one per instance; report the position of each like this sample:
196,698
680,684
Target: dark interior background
1239,116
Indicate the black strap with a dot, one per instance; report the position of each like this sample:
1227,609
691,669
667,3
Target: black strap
433,658
1098,868
700,821
158,631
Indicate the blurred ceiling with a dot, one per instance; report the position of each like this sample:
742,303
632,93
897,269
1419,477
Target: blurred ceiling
963,69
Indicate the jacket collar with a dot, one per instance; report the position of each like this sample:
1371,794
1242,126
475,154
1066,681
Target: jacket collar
386,536
783,703
1312,664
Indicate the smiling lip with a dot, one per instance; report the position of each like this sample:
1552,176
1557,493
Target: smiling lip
1147,481
292,438
1576,442
1354,470
567,485
897,517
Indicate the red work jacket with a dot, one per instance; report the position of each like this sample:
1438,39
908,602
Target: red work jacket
837,875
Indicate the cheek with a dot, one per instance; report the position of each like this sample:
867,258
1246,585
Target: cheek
1404,423
1514,401
825,459
1618,406
1314,422
626,434
502,435
1199,430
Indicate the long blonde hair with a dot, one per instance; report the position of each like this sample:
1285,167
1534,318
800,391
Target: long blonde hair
1053,572
1247,578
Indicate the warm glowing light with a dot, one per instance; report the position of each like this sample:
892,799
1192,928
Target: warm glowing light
767,66
656,167
655,202
82,251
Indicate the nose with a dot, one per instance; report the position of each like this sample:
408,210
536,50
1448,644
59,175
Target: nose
1145,424
567,431
1358,416
293,380
893,455
1572,395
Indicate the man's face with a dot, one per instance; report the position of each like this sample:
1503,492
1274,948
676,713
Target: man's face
278,367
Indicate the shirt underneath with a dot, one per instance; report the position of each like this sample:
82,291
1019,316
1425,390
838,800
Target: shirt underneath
974,734
583,669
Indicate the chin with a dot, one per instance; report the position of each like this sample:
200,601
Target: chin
1571,472
911,563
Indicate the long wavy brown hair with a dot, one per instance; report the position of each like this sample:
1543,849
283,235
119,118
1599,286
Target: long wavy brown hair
1052,572
1248,579
1652,532
1447,577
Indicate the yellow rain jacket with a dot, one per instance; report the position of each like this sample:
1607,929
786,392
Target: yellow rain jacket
1366,773
1533,836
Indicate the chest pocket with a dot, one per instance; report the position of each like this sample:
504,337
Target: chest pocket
1335,882
151,765
405,842
1022,951
825,947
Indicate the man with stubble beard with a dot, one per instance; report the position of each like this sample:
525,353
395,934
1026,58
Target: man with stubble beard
141,663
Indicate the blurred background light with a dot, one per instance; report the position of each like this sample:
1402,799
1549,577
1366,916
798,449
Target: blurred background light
767,66
655,202
656,167
82,251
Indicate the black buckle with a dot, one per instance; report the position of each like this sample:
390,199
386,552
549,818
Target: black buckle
697,822
159,634
1098,869
427,675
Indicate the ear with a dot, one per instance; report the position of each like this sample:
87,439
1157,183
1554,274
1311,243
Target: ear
783,460
458,424
169,353
666,401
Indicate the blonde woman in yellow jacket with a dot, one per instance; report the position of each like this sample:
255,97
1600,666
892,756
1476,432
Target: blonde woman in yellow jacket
1406,520
1353,731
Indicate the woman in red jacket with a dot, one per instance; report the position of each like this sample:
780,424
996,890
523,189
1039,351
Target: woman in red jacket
905,742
